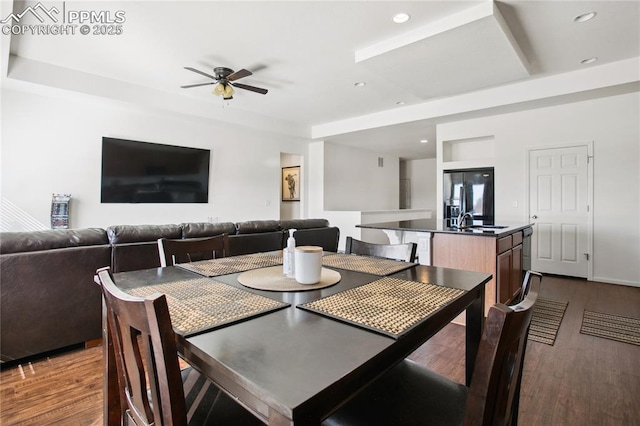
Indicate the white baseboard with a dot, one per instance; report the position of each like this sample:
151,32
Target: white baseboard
618,282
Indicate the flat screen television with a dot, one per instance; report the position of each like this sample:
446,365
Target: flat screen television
143,172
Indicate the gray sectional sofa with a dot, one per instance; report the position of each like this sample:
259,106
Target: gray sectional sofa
48,299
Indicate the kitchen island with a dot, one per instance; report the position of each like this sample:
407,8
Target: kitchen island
495,249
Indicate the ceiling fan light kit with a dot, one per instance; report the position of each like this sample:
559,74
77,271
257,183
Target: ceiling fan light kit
224,80
224,90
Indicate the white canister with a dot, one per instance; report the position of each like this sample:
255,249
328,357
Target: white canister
308,261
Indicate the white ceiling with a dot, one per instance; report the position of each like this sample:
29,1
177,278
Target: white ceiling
310,54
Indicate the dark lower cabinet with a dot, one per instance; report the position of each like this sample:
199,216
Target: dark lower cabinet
516,269
508,266
503,275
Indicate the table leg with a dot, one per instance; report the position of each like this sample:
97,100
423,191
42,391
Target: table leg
112,410
474,324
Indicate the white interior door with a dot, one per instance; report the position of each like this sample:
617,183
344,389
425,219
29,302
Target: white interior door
558,205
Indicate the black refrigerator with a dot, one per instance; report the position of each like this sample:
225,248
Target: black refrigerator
468,190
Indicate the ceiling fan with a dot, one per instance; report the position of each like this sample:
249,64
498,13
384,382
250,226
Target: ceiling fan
225,81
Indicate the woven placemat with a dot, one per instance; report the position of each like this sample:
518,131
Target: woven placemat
546,319
203,304
367,264
272,279
388,305
233,264
612,327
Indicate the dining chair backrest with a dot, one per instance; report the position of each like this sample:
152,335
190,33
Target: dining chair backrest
405,252
495,384
526,284
174,251
146,357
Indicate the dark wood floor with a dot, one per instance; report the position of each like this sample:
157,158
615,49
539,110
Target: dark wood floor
581,380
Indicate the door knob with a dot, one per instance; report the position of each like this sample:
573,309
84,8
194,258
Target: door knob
534,216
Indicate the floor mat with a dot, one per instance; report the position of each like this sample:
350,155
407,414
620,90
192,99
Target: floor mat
612,327
546,320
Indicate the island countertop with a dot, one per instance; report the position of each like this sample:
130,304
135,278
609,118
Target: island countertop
439,226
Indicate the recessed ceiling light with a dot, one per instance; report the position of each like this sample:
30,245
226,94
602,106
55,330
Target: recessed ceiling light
585,17
401,18
588,61
400,103
360,84
424,140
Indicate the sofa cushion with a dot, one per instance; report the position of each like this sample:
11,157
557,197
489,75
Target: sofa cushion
303,223
18,242
255,243
119,234
206,229
134,256
255,226
135,247
48,299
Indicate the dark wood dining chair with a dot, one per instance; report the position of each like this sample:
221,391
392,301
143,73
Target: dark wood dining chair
522,292
526,284
405,252
410,394
191,249
153,389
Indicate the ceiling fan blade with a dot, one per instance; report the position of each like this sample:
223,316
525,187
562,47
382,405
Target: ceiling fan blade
252,88
239,74
200,72
196,85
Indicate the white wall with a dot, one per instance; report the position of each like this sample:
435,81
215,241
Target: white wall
324,158
423,177
613,124
52,144
346,221
353,180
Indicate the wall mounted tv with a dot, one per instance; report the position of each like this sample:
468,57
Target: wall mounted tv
142,172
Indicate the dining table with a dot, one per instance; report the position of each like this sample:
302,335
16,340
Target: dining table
302,351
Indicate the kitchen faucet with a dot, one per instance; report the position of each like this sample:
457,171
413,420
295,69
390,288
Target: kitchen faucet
462,216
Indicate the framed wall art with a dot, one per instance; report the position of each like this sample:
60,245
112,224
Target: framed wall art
291,183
